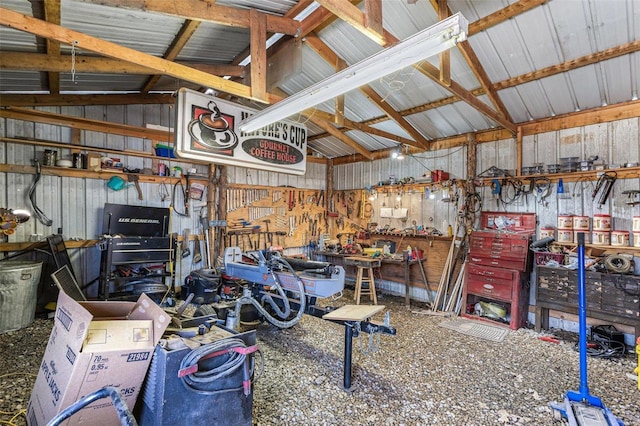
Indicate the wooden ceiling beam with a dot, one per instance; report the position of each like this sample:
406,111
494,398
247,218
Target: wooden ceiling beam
331,57
187,30
208,11
572,64
85,123
52,14
474,63
605,114
69,100
41,28
98,65
604,55
352,125
346,11
503,14
349,13
373,96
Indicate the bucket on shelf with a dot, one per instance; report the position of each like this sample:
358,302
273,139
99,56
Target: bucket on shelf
619,238
602,222
547,232
587,237
18,293
601,238
565,235
565,221
581,223
636,224
636,239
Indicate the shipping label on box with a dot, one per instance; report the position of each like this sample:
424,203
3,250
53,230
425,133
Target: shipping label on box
93,345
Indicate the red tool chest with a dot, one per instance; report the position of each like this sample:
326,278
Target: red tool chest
498,268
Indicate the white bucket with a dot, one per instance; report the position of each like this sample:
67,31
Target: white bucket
547,232
565,221
587,237
619,238
602,222
581,223
636,224
565,235
18,293
601,238
636,239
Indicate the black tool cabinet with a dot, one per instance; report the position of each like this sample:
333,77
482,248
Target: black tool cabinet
132,265
137,252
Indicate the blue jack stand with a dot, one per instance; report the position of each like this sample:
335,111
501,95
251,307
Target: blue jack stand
579,407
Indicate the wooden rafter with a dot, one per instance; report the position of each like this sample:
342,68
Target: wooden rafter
331,57
98,65
355,17
502,15
605,114
204,11
180,40
474,63
84,123
572,64
351,14
67,100
41,28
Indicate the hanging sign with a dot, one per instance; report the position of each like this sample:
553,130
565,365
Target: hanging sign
206,131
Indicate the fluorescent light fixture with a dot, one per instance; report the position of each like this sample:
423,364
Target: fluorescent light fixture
429,42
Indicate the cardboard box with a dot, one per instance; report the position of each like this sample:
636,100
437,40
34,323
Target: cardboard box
92,345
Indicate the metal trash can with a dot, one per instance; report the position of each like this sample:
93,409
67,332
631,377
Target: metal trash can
18,293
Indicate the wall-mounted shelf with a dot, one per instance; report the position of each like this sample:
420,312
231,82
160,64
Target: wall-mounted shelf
599,250
622,173
84,173
70,244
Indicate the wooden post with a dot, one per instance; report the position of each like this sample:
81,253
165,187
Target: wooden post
518,150
472,157
328,193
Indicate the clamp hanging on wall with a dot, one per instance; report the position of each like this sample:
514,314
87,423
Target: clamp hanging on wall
603,187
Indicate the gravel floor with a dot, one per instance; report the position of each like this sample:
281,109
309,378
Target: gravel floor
425,375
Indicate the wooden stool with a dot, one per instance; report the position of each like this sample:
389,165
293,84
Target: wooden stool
364,264
368,279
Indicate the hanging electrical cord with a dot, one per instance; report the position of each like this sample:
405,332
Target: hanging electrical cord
42,218
511,191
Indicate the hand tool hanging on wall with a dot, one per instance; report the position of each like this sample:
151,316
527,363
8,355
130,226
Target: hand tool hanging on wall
207,247
292,200
197,254
603,186
185,243
185,199
135,180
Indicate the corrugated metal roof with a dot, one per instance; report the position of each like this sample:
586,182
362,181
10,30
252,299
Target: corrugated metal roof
545,36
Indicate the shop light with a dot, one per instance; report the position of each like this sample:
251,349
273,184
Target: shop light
429,42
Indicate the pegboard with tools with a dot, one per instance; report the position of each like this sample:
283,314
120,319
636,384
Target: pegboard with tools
281,216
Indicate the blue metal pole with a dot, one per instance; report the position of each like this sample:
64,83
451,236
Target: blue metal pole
582,316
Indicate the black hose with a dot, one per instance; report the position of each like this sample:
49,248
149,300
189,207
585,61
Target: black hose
125,416
200,379
42,218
